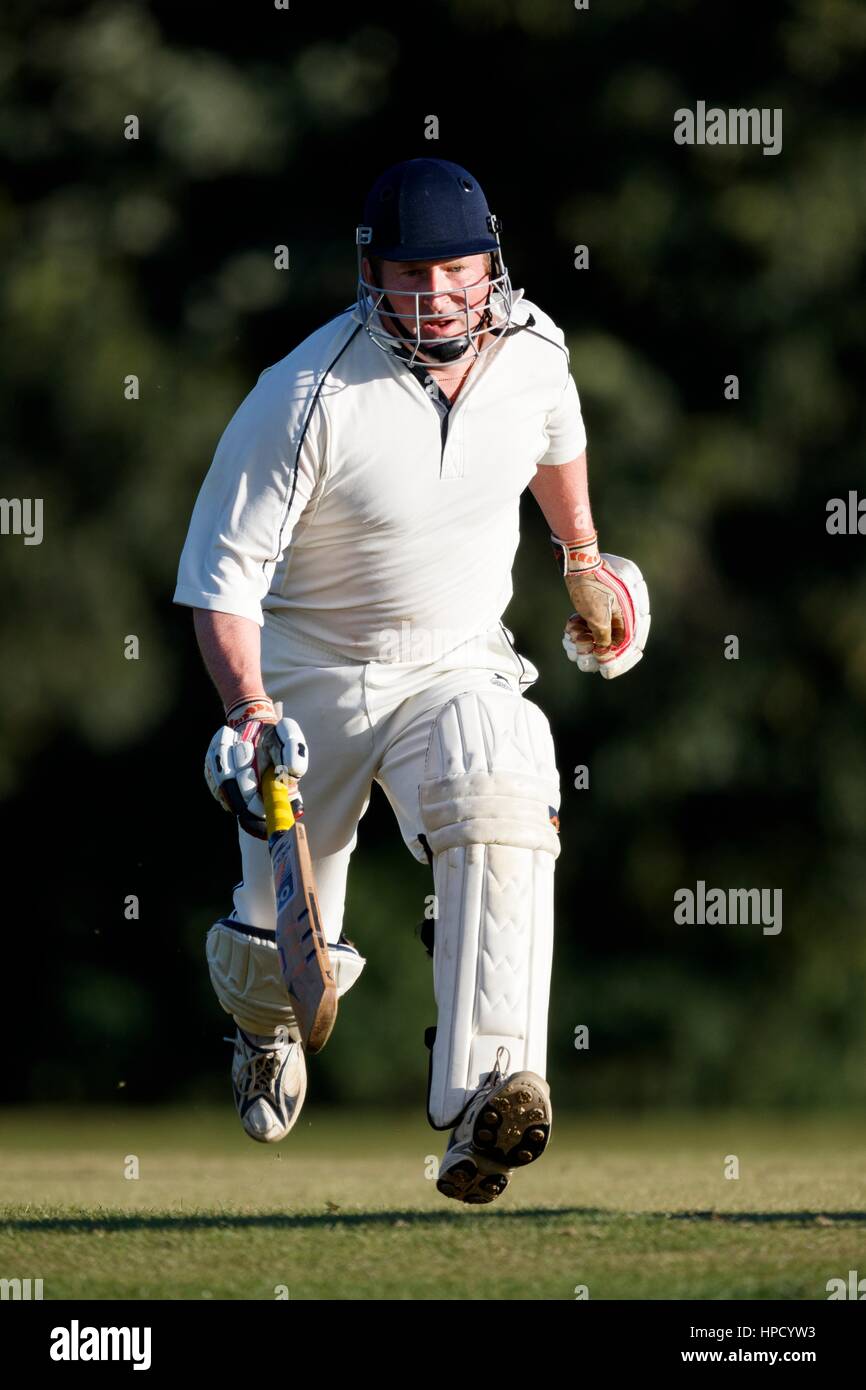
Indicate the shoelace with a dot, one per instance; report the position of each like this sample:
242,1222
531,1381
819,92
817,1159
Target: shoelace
498,1073
258,1072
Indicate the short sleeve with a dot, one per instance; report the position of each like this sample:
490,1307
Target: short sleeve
264,472
564,427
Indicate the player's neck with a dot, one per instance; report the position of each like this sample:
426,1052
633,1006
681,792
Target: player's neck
451,379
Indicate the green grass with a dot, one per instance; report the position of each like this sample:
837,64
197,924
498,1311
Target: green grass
632,1208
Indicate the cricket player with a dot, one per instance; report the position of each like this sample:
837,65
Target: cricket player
349,562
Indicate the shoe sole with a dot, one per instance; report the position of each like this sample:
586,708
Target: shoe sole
466,1182
511,1131
513,1126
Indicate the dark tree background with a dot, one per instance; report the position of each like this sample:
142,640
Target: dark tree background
155,257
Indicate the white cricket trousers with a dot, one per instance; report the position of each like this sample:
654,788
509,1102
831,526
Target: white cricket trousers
364,722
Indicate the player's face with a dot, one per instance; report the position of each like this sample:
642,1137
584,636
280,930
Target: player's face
444,289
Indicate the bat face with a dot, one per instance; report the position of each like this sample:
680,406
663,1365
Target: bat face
285,873
304,957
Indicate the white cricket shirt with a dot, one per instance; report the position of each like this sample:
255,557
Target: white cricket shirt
337,497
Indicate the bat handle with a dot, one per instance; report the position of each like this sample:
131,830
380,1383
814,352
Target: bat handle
279,814
292,789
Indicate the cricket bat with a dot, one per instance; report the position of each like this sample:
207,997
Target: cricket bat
303,950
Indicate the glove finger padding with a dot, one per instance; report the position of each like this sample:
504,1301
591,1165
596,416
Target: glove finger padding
626,585
582,640
283,745
230,772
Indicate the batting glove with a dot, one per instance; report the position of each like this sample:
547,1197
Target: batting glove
253,735
608,630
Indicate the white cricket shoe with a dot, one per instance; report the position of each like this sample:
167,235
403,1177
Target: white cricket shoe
269,1079
505,1126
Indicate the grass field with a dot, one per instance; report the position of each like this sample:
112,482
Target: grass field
631,1208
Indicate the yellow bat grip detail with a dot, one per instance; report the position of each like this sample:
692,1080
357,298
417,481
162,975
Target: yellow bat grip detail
278,804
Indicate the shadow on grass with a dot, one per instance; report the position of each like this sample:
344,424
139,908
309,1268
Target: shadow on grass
280,1221
824,1218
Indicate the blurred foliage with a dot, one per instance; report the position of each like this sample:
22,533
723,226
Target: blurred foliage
155,258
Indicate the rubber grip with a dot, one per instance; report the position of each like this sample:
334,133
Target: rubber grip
278,803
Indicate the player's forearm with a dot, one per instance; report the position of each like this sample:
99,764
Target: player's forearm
562,493
231,650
